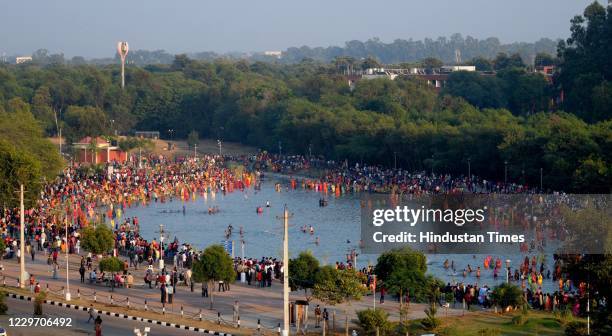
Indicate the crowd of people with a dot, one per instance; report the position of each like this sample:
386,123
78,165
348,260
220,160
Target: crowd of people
81,197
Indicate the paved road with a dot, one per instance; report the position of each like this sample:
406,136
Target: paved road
255,303
110,325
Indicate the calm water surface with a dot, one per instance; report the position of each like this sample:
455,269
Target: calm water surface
337,227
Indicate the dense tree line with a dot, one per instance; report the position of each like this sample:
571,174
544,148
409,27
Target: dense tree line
398,51
487,119
308,104
442,48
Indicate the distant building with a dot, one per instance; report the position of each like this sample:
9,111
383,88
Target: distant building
436,78
374,73
274,53
453,68
147,134
103,152
23,59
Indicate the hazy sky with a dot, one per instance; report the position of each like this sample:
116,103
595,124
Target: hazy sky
92,28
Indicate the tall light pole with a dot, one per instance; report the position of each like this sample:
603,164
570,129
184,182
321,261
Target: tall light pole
506,172
280,149
170,132
195,151
161,247
285,331
219,142
22,271
113,126
310,151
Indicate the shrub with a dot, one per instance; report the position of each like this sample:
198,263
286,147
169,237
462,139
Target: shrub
3,306
507,295
489,332
38,303
519,319
111,264
430,322
576,328
372,319
564,316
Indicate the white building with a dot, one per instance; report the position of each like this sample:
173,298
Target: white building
453,68
274,53
23,59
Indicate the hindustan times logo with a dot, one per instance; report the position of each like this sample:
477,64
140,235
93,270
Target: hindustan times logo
411,216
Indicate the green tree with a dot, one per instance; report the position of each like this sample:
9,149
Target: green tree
3,305
503,61
544,59
113,265
303,270
214,264
584,65
85,121
431,63
18,167
402,270
99,240
481,64
334,286
507,296
193,138
374,321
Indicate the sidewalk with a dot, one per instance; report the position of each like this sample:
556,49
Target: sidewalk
264,304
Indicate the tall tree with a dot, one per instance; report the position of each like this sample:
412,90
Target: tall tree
213,265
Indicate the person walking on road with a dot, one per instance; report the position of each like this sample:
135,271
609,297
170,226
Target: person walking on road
236,311
90,311
98,326
82,273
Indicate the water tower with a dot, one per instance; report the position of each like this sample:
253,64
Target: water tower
122,50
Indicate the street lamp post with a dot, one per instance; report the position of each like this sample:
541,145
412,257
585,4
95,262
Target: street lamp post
171,133
113,126
541,173
506,172
280,149
161,247
219,142
507,270
310,151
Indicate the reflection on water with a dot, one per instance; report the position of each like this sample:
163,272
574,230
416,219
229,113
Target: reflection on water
336,227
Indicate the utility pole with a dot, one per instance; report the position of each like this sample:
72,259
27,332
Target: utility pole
68,296
506,172
285,272
60,140
22,274
541,173
161,247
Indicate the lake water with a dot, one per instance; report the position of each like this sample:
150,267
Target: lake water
337,226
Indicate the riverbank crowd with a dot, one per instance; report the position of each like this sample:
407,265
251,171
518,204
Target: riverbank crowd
83,196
